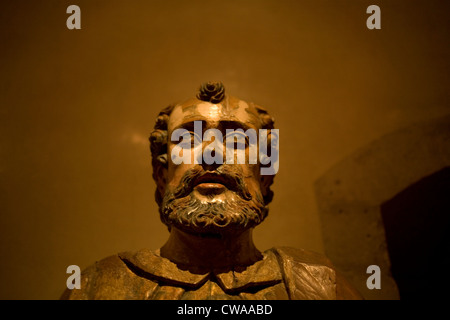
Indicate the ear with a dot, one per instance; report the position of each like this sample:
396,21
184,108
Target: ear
160,177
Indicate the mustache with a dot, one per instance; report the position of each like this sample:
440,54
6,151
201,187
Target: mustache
232,178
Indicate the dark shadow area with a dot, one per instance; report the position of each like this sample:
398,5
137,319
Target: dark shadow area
416,222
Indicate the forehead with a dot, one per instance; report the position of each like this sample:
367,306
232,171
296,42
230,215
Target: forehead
230,110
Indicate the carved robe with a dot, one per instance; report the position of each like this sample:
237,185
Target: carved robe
283,273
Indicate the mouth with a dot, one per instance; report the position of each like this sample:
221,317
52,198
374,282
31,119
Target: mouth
212,183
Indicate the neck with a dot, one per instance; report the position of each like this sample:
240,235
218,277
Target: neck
210,252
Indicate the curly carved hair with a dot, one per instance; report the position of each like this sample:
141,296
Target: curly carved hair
159,139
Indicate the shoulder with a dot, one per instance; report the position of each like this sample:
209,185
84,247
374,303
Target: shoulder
110,279
302,256
310,275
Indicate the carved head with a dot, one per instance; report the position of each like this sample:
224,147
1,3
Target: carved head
204,184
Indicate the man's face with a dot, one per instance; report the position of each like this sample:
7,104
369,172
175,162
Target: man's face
214,198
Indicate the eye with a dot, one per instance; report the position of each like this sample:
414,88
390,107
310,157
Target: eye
240,145
195,139
236,139
190,140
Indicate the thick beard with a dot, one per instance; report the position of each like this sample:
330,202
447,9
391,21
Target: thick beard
214,218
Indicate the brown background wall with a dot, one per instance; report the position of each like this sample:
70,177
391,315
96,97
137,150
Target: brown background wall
77,106
410,239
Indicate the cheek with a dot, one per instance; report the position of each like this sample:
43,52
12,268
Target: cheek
176,171
255,171
252,177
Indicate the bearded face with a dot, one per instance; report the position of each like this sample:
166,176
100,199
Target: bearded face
212,202
210,198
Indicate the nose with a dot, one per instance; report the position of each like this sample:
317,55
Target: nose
213,155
